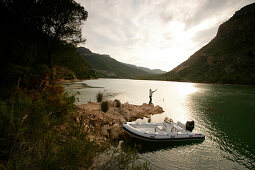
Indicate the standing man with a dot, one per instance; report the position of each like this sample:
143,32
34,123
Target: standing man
150,95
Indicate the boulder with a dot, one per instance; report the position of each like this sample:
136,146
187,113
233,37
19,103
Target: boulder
115,131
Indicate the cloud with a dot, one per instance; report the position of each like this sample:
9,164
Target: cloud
155,34
202,37
218,9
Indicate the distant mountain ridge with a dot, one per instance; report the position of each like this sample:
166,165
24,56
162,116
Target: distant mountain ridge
107,67
228,58
152,71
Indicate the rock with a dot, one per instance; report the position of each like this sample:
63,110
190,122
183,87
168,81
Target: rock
158,109
109,124
110,103
97,122
115,131
104,130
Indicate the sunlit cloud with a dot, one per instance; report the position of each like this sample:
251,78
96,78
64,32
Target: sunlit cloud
155,34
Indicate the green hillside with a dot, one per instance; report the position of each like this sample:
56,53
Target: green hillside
228,58
105,66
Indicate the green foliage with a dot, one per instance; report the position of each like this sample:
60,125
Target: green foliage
62,24
56,151
64,73
117,103
38,41
54,21
37,129
36,126
99,97
38,132
104,106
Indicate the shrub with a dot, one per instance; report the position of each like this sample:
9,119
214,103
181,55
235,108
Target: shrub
117,103
99,97
56,150
30,135
104,106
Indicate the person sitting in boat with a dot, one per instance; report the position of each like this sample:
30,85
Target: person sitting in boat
150,95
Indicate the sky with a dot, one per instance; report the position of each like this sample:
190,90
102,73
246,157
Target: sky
157,34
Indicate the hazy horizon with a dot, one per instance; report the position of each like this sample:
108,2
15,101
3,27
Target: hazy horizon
154,34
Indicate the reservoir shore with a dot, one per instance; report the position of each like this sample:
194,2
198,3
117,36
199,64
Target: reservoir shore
103,127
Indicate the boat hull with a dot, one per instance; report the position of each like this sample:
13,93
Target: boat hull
166,137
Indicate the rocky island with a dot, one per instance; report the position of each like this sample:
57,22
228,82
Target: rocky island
107,126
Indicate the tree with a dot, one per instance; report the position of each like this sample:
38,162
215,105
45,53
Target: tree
59,20
32,30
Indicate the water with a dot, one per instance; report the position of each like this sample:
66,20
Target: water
224,113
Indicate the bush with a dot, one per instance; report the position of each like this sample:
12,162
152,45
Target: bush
117,103
99,97
56,150
104,106
30,135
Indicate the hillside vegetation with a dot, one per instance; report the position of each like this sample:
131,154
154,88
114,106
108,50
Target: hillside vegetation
105,66
228,58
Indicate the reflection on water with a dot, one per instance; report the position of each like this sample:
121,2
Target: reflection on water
225,114
149,146
186,88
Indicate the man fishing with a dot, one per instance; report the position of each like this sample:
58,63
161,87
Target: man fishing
150,95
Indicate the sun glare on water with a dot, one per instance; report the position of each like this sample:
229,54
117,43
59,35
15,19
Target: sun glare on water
186,89
177,101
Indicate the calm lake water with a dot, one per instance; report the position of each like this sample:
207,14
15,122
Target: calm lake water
224,113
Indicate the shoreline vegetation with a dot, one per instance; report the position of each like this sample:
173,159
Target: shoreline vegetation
38,128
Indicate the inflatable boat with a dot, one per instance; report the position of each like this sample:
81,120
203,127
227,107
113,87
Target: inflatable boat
166,131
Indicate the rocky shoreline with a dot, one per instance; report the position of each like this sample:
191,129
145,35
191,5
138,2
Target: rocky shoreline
103,127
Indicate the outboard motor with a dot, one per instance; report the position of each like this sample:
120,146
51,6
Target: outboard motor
190,125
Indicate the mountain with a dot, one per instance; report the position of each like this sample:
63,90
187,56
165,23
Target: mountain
107,67
152,71
228,58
